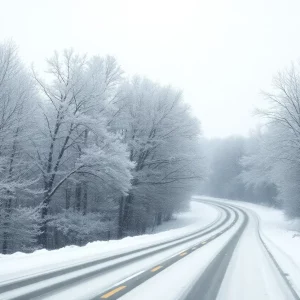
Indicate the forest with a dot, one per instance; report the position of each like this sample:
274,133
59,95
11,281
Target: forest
89,153
264,167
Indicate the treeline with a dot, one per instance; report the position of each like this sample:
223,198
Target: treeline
87,154
265,167
227,174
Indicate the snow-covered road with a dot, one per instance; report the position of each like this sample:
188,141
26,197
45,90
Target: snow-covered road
244,271
224,257
251,273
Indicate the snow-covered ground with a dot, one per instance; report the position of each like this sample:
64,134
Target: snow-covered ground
280,236
166,286
21,264
251,273
197,213
174,282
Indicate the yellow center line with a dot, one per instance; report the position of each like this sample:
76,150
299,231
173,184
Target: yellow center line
194,248
156,268
112,292
203,243
183,254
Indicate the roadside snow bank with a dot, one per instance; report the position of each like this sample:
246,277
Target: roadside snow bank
21,264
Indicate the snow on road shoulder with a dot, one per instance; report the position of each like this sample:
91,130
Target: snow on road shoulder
280,237
20,264
199,215
176,281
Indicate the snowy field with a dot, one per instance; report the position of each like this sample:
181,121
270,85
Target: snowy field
22,264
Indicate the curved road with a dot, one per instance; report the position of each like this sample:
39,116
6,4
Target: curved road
227,260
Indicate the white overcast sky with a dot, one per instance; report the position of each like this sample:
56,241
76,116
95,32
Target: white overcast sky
222,53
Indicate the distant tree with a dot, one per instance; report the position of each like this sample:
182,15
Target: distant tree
231,173
223,159
276,160
256,173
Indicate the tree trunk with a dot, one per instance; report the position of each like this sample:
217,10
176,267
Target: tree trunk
159,219
78,191
126,213
43,235
8,205
120,218
68,197
144,227
5,242
7,213
85,197
85,185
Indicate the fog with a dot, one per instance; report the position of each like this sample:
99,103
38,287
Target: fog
221,53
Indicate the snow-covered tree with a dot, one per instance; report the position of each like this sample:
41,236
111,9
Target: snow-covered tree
163,140
86,155
277,158
230,173
75,138
17,103
223,167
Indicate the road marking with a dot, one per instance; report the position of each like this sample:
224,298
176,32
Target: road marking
194,248
178,253
174,255
183,254
156,268
129,277
203,243
112,292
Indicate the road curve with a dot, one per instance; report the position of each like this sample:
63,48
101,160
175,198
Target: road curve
126,286
50,283
232,273
243,269
208,285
